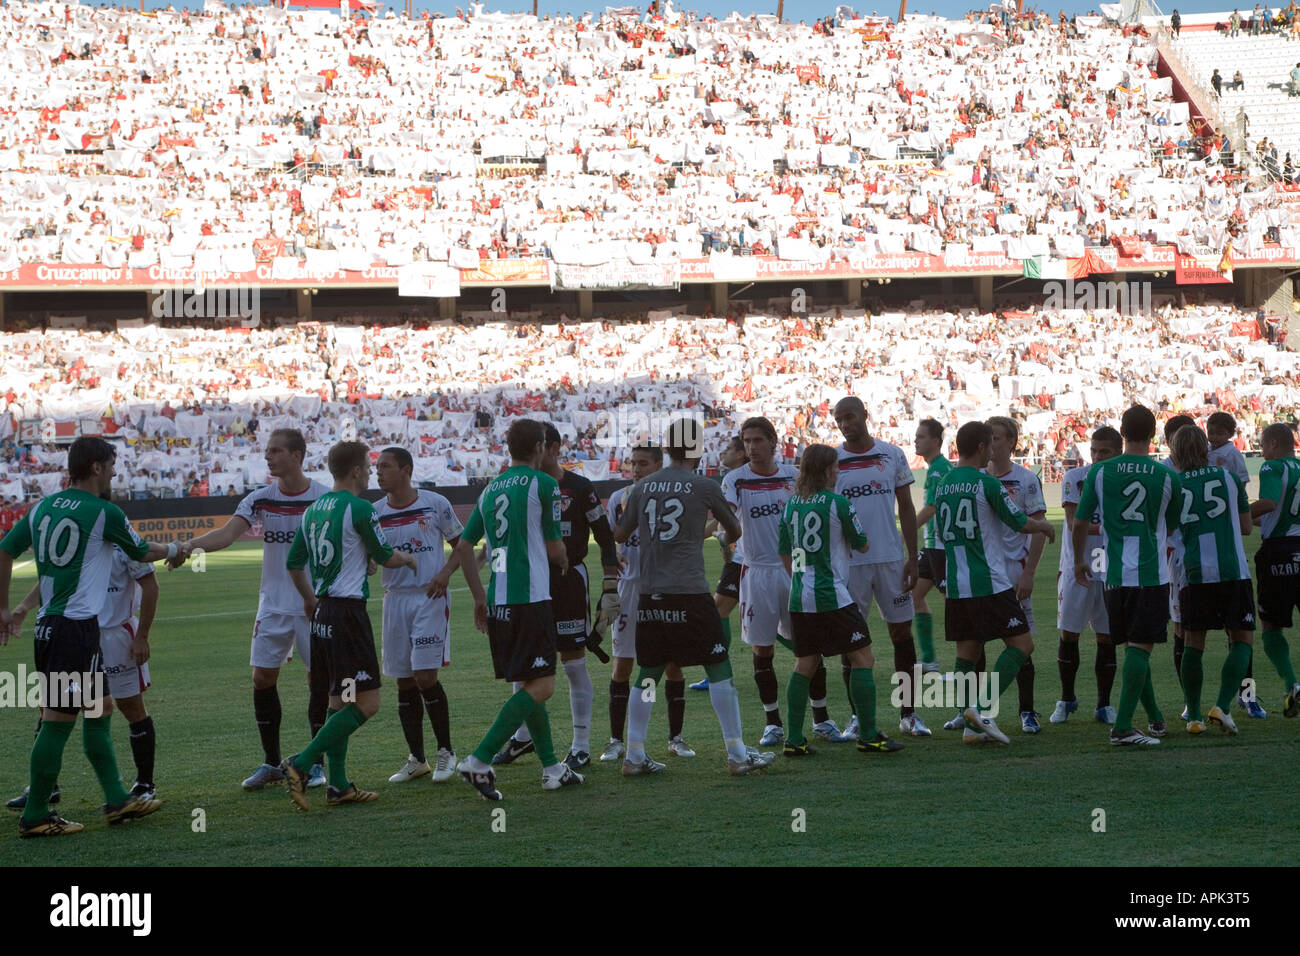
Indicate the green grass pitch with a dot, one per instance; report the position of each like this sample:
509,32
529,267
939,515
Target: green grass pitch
936,803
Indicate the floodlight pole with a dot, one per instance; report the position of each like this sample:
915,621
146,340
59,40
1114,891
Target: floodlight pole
780,11
902,10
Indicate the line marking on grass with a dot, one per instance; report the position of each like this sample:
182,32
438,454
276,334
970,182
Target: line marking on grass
195,617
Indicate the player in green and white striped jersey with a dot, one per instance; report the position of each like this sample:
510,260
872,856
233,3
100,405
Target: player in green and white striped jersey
1137,500
74,532
818,528
519,514
1215,514
338,537
971,508
1277,563
930,569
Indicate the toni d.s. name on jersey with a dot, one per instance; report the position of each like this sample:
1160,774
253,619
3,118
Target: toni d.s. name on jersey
420,529
277,516
759,502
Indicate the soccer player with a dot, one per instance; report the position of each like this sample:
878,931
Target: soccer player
582,517
1022,553
1137,502
972,507
757,492
1174,553
930,569
874,476
646,460
1080,607
1277,572
415,632
1215,514
282,627
339,535
727,595
519,514
818,530
73,532
676,618
1220,427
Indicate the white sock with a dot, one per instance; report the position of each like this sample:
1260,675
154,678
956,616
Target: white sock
726,704
818,703
581,696
521,733
474,765
554,770
638,723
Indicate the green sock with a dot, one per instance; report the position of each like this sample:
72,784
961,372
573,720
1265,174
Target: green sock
539,725
337,730
1279,652
336,758
1193,678
862,684
514,713
47,761
1137,669
716,673
925,635
1008,666
726,633
1234,670
98,743
1149,699
789,645
796,702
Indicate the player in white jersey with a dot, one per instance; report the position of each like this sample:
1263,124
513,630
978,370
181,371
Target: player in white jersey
1079,607
282,625
646,460
757,493
1173,555
727,595
417,609
875,477
1023,552
1220,427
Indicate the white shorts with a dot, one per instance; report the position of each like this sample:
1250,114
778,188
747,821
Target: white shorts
276,636
884,581
764,605
1177,581
1079,608
415,632
125,677
624,639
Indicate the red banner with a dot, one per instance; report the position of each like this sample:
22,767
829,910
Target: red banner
807,73
1190,270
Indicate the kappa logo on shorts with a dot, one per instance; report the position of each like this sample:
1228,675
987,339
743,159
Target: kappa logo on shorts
718,649
1015,622
362,675
1248,619
857,636
539,662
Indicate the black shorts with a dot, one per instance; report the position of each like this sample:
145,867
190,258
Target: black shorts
1138,615
933,566
1225,605
1277,571
522,638
829,632
994,617
343,644
69,662
682,628
571,606
729,583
